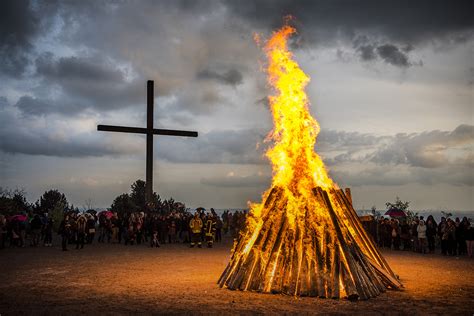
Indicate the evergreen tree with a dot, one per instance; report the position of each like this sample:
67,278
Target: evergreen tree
123,204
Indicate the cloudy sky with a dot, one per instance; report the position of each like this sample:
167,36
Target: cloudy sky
391,85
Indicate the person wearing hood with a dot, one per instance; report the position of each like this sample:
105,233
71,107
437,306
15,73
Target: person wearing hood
421,229
81,224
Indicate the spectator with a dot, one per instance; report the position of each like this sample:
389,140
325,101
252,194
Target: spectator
81,224
469,239
48,233
3,231
421,230
36,225
431,229
65,231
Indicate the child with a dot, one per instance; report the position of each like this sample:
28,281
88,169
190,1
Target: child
154,240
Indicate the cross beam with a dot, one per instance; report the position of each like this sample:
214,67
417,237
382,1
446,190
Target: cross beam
149,131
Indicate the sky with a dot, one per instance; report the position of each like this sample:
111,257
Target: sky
391,86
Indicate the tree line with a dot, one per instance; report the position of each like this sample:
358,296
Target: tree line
55,204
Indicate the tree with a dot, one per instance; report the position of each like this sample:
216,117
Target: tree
123,204
138,196
13,201
88,205
51,200
399,205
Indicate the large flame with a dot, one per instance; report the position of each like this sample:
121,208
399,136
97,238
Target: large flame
304,238
297,168
295,164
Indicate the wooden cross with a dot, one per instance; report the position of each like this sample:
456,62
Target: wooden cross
149,131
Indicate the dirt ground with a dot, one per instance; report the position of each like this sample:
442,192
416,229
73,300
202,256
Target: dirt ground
118,279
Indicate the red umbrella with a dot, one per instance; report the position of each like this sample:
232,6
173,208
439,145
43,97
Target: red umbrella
19,218
107,214
395,213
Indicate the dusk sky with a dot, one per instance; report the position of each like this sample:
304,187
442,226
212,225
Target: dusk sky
391,86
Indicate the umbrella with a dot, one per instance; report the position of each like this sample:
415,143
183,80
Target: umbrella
107,214
395,213
19,218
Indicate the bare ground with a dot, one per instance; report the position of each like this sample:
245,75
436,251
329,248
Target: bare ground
117,279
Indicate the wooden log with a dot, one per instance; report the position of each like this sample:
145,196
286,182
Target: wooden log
271,266
348,282
353,269
319,267
387,278
327,264
349,196
368,242
241,271
335,270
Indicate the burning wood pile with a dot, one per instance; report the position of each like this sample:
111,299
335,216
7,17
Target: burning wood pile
305,237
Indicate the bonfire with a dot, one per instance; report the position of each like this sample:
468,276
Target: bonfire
304,238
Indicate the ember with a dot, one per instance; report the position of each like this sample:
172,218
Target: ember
304,238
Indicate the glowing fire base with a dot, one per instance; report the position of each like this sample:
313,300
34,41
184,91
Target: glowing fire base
325,254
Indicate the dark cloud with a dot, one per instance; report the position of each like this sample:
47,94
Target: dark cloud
18,26
33,106
77,68
320,20
56,138
87,82
429,149
231,77
21,22
399,26
389,53
392,55
367,52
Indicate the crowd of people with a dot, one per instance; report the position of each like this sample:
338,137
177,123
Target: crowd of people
149,228
453,237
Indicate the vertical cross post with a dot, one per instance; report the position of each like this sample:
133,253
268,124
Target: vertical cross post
149,140
149,131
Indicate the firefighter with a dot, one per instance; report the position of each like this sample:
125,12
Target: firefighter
196,226
210,229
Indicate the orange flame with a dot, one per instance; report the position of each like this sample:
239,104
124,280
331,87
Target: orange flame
296,166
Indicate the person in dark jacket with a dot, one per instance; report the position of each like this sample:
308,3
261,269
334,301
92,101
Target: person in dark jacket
469,239
48,233
81,226
431,229
36,225
90,228
442,236
65,231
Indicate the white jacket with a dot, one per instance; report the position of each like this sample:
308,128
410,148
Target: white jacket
421,229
